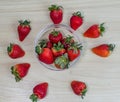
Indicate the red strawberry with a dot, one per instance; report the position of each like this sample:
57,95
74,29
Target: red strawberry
20,70
103,50
58,49
79,88
49,44
55,36
94,31
67,41
74,51
15,51
56,13
23,29
76,20
62,62
39,91
45,55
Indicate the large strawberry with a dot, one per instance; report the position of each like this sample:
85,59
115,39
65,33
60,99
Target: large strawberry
44,54
76,20
56,13
62,62
20,70
94,31
58,49
23,29
103,50
67,41
15,51
55,36
79,88
74,51
39,91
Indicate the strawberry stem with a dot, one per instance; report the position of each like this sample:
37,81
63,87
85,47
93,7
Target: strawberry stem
34,98
9,48
54,32
26,22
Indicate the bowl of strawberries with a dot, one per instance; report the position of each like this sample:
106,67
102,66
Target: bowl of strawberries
58,47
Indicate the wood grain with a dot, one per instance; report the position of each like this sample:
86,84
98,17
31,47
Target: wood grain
102,75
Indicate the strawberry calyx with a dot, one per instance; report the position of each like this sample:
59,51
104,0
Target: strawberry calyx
111,47
58,46
34,98
68,39
75,47
24,23
55,33
78,13
15,73
62,61
9,48
102,28
83,93
55,7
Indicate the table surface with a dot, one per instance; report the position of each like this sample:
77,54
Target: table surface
102,75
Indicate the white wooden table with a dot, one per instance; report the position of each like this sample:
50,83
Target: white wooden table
102,75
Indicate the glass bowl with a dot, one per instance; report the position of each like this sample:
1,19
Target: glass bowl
65,30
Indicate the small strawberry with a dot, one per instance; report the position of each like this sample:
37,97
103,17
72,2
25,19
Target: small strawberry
15,51
56,13
67,41
23,29
103,50
74,51
44,54
94,31
55,36
39,91
62,62
20,70
49,44
79,88
58,49
76,20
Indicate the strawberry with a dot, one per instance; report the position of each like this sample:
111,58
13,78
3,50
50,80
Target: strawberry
79,88
44,54
55,36
76,20
49,44
56,13
23,29
20,70
67,41
39,91
62,62
58,49
74,51
103,50
15,51
94,31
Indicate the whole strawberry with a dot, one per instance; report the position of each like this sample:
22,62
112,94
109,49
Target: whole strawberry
103,50
20,70
23,29
74,51
76,20
94,31
79,88
56,13
55,36
62,62
39,91
15,51
44,54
